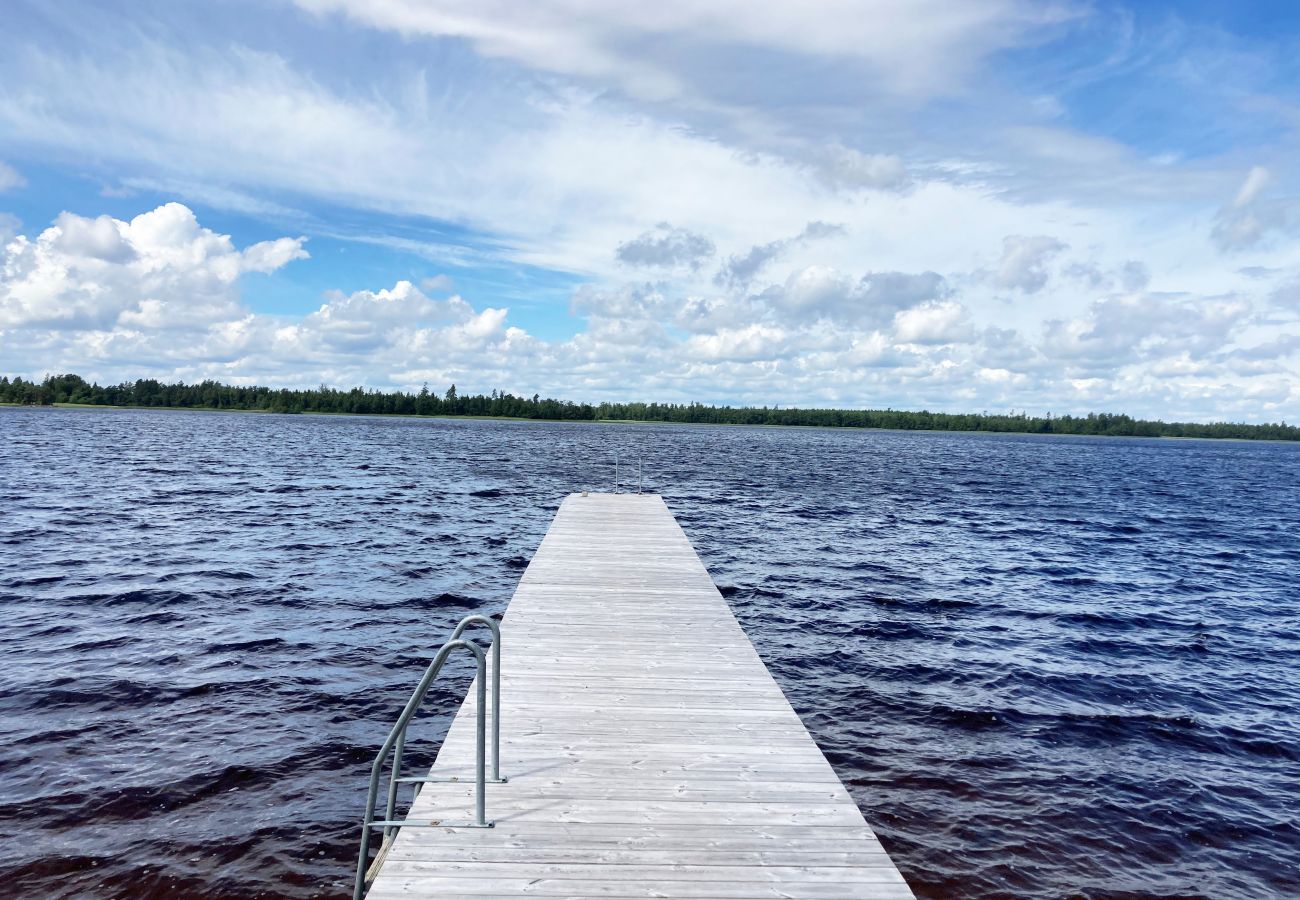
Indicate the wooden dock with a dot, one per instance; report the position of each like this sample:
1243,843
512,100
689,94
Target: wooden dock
648,750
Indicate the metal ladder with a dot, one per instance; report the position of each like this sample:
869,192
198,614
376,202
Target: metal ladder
618,484
395,744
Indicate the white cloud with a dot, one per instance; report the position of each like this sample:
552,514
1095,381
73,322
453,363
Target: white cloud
631,302
885,292
877,350
814,291
753,342
846,167
366,320
158,295
441,283
160,270
9,177
1250,215
1132,329
740,269
666,247
912,47
942,322
103,238
1024,262
763,121
268,256
548,173
1131,275
10,225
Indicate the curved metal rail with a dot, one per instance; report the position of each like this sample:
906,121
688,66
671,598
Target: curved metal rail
395,744
618,481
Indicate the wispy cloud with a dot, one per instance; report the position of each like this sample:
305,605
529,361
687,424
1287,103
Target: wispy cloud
939,203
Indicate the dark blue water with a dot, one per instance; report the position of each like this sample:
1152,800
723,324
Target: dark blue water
1045,667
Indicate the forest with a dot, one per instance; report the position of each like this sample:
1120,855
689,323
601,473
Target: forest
212,395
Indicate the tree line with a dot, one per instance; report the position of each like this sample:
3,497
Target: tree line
148,392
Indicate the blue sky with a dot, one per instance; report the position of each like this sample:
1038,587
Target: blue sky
1050,206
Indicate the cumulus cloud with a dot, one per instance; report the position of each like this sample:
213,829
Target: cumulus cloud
943,322
876,350
159,295
103,238
740,269
753,342
438,283
874,299
9,177
629,302
888,291
1129,329
366,320
271,255
666,247
1271,351
1006,349
703,313
1131,275
815,291
160,270
1023,265
1243,222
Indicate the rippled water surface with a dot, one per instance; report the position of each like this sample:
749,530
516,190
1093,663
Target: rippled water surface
1044,666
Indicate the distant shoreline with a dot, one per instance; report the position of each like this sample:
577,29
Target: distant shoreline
149,393
543,421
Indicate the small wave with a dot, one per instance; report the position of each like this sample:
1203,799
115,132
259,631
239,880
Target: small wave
270,643
1073,643
460,600
136,597
31,581
209,574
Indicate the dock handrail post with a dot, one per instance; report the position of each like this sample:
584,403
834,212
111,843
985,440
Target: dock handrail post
391,806
398,733
496,685
480,808
616,471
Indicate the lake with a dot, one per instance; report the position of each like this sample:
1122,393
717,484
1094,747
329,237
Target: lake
1044,666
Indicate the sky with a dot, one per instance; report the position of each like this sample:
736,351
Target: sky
1049,206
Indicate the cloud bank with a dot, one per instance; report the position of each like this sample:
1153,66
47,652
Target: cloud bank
159,295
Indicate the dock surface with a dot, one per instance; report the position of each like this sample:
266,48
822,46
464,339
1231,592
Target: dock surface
649,752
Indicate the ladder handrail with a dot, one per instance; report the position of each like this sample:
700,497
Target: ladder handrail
396,740
477,619
618,482
400,746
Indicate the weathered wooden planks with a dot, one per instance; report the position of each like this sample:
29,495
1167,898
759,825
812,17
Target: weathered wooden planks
649,751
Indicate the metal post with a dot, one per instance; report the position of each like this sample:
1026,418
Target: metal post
616,471
496,685
480,791
638,474
395,773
